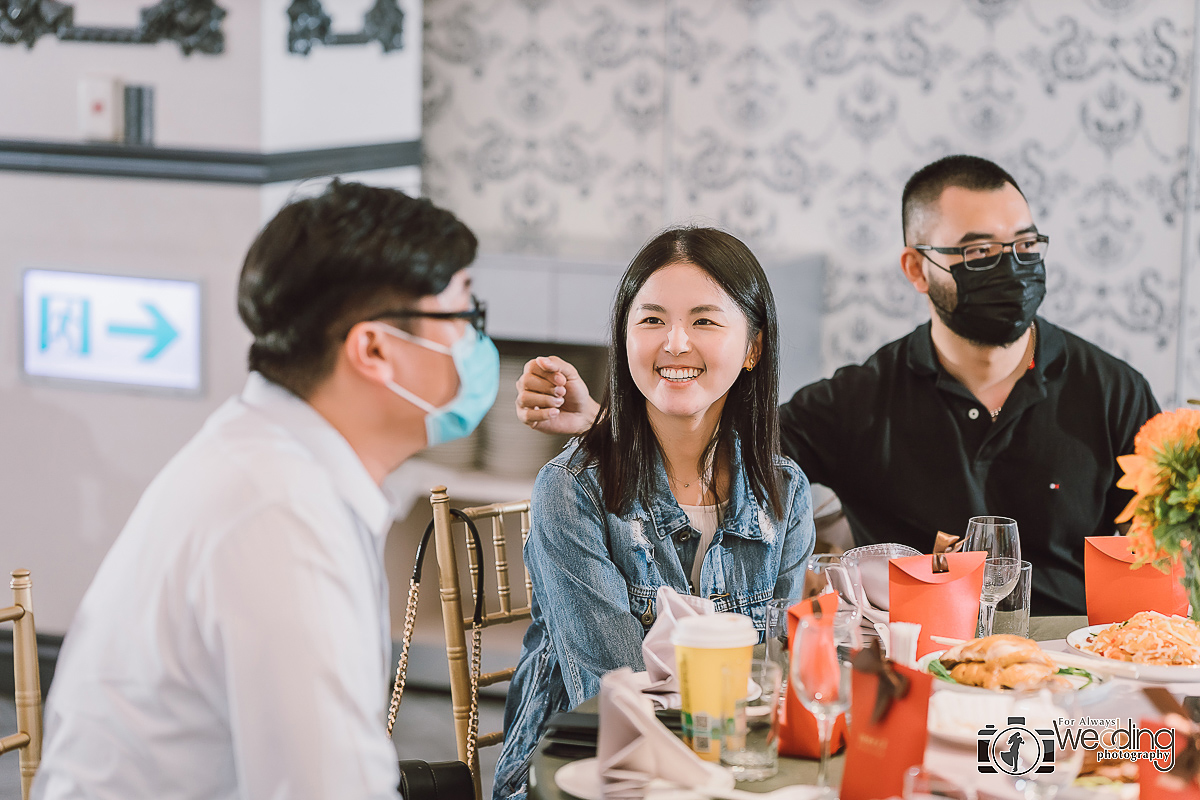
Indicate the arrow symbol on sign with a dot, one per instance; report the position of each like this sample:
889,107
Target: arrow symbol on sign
159,330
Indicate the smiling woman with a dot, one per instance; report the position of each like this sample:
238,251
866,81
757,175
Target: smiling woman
687,341
678,483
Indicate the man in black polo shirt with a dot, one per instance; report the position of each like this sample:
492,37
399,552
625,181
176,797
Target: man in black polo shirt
985,409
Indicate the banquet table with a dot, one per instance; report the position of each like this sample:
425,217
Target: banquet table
941,758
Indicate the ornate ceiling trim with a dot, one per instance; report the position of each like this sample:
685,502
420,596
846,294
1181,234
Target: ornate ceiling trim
310,25
195,25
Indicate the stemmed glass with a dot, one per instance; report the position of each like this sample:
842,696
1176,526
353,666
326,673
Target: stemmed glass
1000,576
998,536
820,674
1020,752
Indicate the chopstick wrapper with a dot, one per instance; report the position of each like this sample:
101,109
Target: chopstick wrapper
633,747
798,735
1179,782
1114,592
942,603
889,732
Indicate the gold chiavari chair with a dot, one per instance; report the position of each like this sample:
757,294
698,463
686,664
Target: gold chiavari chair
28,738
465,677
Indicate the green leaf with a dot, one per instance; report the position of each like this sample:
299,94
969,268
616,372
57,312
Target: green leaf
1083,673
938,670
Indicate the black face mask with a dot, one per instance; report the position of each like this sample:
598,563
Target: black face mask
995,306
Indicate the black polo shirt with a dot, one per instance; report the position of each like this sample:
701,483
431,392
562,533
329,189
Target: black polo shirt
909,451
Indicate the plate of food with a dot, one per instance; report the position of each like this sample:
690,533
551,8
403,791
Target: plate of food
1160,647
1004,662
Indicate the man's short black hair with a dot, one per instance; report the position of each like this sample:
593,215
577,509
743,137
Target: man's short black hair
923,189
327,262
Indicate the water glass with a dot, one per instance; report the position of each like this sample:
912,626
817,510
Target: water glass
777,630
921,784
815,580
1021,756
1012,612
820,677
750,741
1000,575
847,629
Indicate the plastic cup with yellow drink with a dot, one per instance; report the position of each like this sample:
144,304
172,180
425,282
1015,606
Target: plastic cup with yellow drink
711,649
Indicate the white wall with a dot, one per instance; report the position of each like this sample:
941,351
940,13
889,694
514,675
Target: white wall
339,95
75,458
254,96
203,101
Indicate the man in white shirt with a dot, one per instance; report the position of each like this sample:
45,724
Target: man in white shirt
235,642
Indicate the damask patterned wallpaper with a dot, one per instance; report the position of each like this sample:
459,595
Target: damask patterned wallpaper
553,125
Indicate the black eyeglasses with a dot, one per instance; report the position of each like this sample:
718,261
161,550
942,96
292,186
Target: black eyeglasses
476,315
979,256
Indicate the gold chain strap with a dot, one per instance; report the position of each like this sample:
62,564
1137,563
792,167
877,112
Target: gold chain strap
473,720
410,619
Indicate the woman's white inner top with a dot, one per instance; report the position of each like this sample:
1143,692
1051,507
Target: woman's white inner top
706,520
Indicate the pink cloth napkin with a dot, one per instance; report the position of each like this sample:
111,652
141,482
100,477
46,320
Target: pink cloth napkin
657,650
634,748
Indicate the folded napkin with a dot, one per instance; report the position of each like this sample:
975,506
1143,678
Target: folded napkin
634,748
657,650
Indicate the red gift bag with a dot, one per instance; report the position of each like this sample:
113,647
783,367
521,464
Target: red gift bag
798,736
1159,785
942,603
1114,592
879,752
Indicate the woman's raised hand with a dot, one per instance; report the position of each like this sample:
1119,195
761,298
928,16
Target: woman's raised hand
552,398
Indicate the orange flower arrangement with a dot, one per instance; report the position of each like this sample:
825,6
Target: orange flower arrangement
1164,472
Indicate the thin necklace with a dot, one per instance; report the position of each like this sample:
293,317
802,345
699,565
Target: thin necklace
705,479
995,412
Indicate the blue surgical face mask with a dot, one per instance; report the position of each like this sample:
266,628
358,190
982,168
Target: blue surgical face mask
478,366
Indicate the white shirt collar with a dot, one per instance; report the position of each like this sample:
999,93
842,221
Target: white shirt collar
327,446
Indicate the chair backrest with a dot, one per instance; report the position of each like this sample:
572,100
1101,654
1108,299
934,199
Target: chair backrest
457,625
28,738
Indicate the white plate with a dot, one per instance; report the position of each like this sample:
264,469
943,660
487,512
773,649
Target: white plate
957,718
1077,681
1146,672
582,779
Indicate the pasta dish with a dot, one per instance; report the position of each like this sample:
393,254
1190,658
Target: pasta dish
1149,637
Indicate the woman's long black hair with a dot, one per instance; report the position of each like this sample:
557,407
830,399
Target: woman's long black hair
621,442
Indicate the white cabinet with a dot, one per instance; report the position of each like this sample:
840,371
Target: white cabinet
564,300
547,299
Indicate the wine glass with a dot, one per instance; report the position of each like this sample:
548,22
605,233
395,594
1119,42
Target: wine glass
1038,761
820,677
997,535
999,538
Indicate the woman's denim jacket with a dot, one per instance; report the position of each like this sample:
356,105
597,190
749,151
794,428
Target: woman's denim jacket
595,577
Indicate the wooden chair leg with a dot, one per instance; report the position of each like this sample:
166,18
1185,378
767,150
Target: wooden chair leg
28,683
452,615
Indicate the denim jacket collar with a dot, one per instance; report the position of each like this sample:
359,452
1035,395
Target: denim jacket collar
741,517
